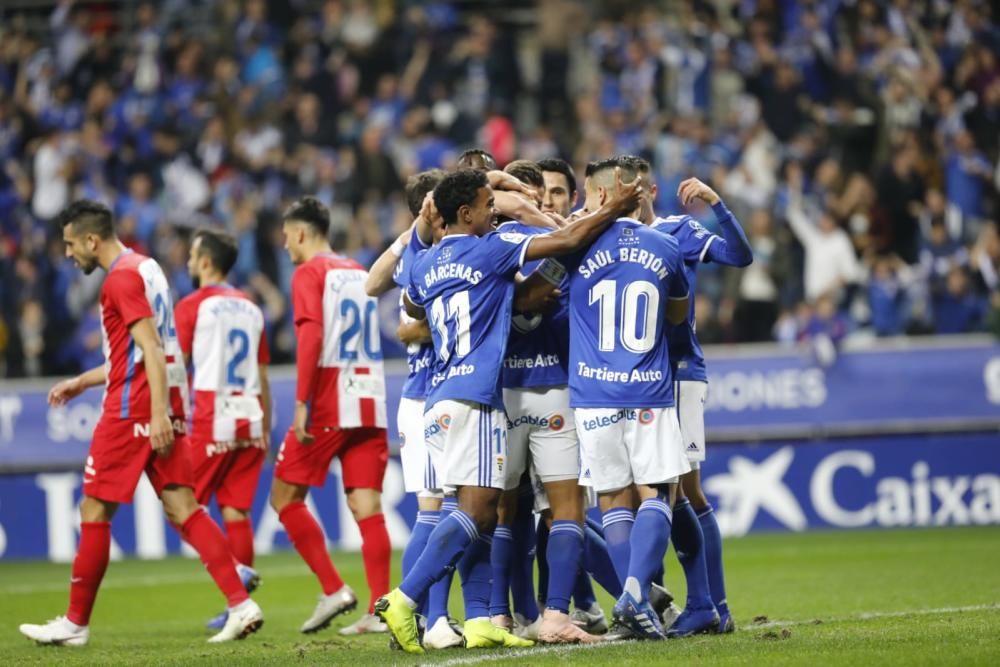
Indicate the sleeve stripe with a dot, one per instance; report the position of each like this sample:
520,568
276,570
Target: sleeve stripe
704,250
524,251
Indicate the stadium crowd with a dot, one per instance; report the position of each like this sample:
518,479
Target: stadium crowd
858,141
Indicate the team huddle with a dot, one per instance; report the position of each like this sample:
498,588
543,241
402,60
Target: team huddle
553,366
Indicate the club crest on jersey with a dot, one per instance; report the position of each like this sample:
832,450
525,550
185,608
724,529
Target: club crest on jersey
557,422
444,421
646,417
500,464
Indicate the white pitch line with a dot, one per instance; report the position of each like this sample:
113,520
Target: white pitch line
197,575
514,654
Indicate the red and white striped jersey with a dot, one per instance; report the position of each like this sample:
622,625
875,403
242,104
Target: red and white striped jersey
136,288
339,353
222,330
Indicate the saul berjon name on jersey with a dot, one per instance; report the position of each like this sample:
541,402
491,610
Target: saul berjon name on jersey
644,258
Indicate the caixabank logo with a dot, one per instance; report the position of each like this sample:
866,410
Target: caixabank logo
878,483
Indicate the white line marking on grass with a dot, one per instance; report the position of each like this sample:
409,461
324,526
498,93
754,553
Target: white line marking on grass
527,654
197,575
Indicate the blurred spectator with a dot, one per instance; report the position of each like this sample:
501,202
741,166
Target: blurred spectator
830,262
958,309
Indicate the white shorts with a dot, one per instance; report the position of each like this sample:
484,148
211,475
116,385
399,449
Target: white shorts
540,430
690,397
621,446
467,443
419,474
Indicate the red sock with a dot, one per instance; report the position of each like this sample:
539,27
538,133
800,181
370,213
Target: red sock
240,535
308,539
88,569
204,535
376,552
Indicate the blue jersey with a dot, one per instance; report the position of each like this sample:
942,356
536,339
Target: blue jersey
618,292
419,356
694,240
538,347
466,285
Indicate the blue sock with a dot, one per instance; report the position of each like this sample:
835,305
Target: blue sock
422,529
583,590
689,543
437,597
474,569
564,555
597,561
426,521
445,546
500,566
541,551
650,537
617,534
595,526
713,558
522,574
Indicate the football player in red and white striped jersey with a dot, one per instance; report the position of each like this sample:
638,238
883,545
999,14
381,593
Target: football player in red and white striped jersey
339,412
221,333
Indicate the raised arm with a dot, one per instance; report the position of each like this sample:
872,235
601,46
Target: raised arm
733,249
380,275
585,229
519,208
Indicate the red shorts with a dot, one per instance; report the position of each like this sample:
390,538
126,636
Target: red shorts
120,452
230,476
363,454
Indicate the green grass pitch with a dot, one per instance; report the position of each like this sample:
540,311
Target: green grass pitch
927,596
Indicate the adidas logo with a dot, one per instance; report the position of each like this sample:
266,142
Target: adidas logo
692,447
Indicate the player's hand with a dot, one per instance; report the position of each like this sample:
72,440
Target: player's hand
556,218
501,180
65,391
429,212
692,190
161,434
627,195
299,424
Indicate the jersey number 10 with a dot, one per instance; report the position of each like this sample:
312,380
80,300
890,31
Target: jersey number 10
639,294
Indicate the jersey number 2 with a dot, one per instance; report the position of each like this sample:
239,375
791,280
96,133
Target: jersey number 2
637,334
239,343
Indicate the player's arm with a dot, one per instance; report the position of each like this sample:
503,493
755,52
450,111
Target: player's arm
502,181
265,401
414,331
161,432
308,307
733,249
678,293
380,275
69,389
539,292
516,206
185,313
585,229
412,309
423,225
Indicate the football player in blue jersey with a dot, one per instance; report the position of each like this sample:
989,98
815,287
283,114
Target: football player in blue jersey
623,291
465,283
695,531
540,434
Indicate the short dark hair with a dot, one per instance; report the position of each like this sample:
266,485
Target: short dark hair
635,163
526,171
476,158
457,189
220,247
88,217
419,185
310,211
629,169
600,165
560,166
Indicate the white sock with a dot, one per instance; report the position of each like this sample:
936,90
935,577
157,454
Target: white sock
406,598
73,626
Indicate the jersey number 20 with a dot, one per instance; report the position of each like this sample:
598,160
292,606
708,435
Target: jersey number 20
637,332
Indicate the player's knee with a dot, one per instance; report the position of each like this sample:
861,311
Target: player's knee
178,504
93,510
284,494
363,503
233,514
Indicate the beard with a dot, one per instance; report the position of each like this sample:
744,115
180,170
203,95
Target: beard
87,265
